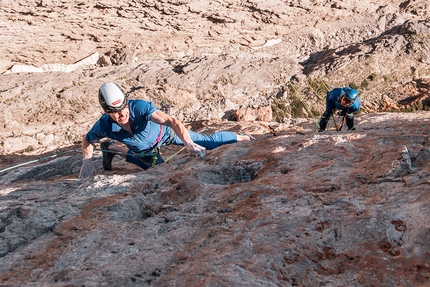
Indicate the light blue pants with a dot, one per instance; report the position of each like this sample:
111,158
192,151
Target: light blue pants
207,141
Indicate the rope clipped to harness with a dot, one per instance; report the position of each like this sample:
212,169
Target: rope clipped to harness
149,153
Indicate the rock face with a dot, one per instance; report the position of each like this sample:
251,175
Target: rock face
51,31
294,208
206,59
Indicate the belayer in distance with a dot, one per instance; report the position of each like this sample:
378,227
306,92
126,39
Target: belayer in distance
143,129
345,100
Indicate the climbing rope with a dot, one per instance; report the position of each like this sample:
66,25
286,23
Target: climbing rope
142,154
70,151
316,93
334,121
176,153
339,128
110,151
37,160
304,104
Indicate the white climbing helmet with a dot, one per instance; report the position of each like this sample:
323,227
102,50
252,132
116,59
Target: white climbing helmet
112,98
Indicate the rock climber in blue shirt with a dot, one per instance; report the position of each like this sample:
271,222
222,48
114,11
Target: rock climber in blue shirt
143,129
345,100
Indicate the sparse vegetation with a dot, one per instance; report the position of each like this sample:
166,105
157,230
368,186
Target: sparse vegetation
296,103
372,77
27,149
419,106
223,80
318,88
364,84
78,83
280,110
297,107
353,86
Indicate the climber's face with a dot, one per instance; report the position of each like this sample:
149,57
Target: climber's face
122,116
345,102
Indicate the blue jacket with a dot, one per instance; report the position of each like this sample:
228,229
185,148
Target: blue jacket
146,134
333,101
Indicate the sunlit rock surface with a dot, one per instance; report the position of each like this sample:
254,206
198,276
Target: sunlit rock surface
294,208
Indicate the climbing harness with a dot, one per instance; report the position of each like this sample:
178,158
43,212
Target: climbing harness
153,154
334,121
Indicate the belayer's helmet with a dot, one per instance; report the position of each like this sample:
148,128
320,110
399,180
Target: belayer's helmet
112,98
351,95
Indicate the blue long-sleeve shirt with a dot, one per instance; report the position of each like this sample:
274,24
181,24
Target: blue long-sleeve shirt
145,133
333,101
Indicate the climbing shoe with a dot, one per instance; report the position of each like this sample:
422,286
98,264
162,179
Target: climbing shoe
107,156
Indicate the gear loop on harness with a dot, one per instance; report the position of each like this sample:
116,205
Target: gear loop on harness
153,153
